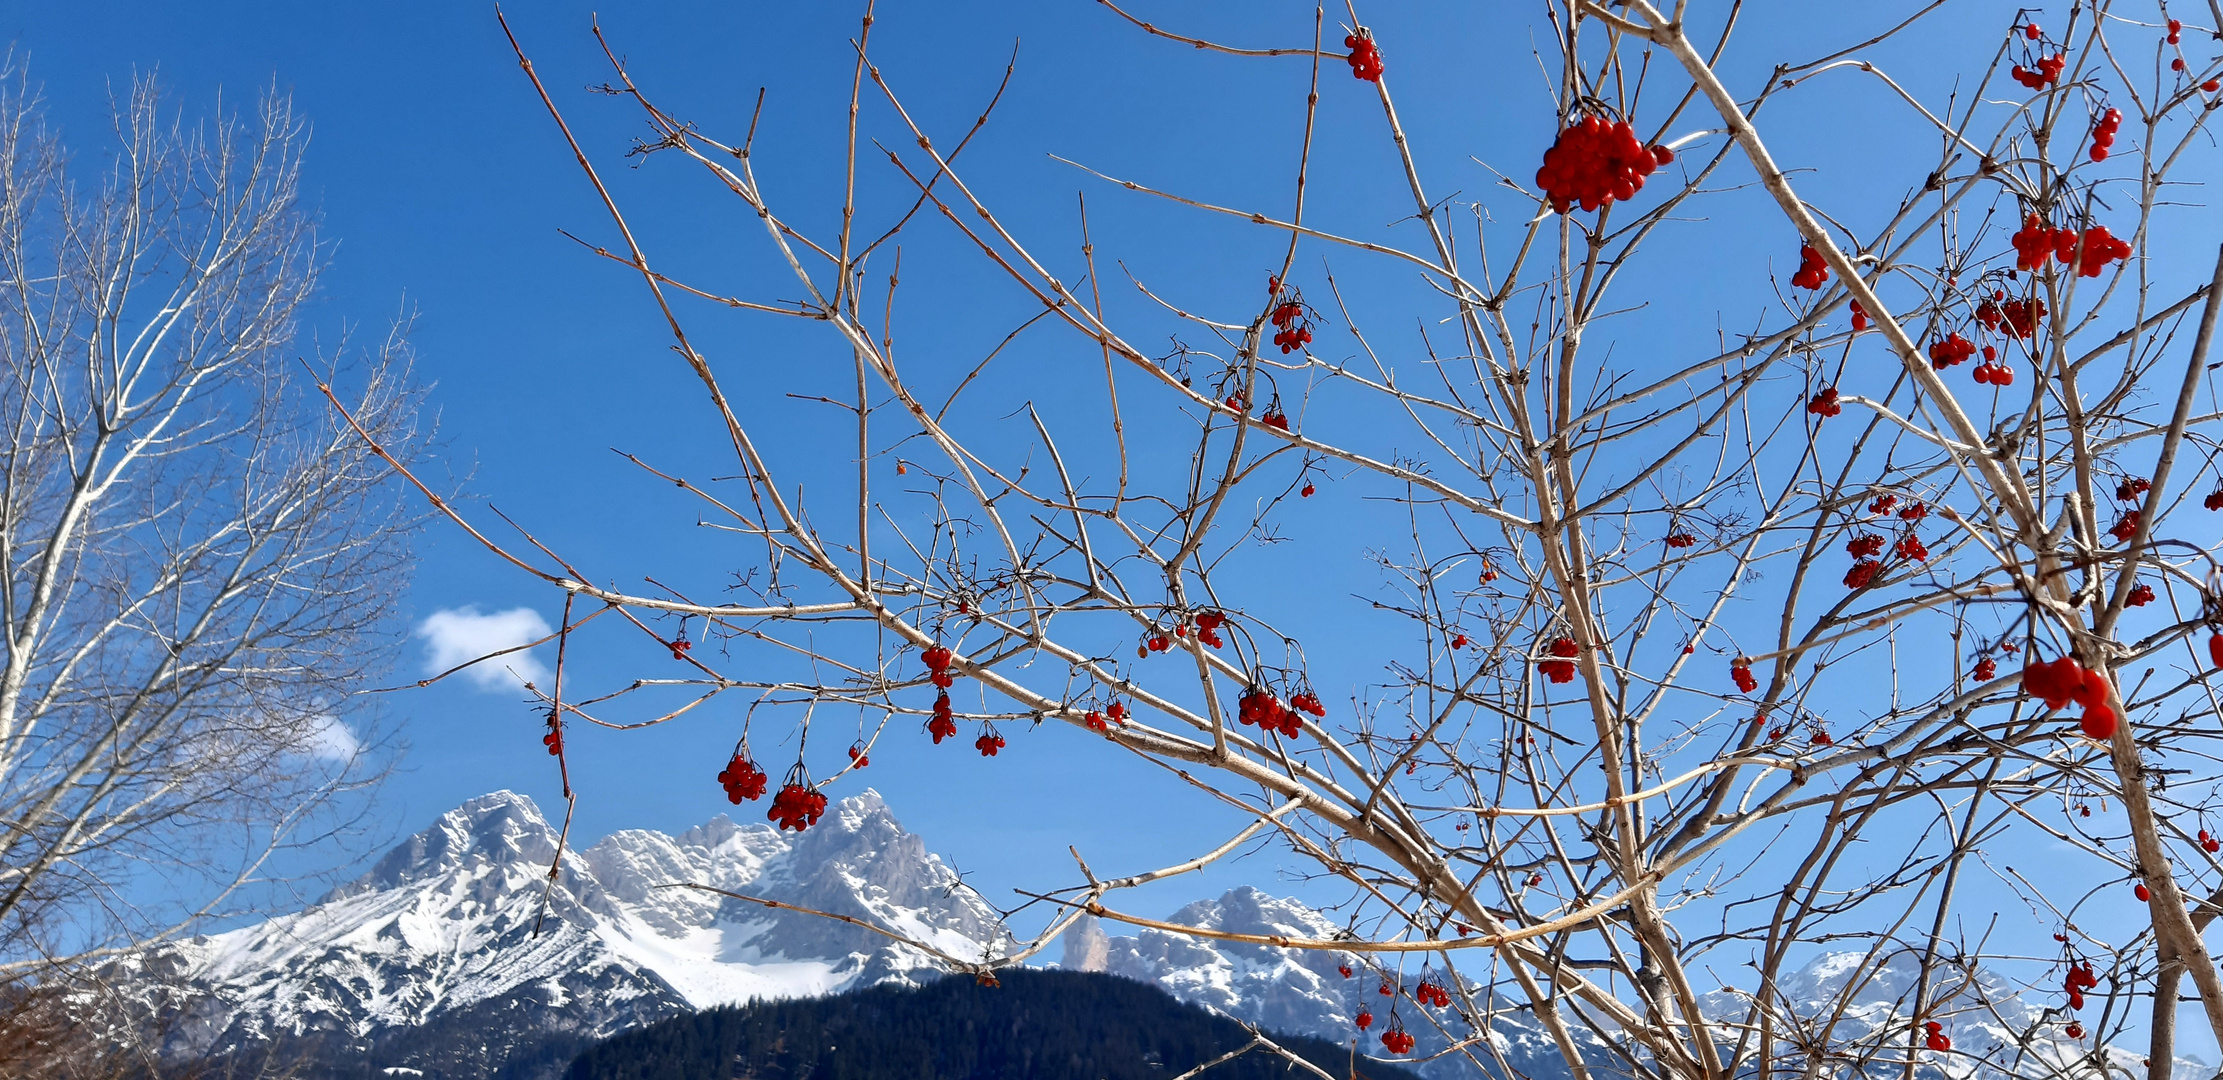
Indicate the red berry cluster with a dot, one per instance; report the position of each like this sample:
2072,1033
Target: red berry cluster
2080,979
2209,844
1273,417
1825,404
1936,1039
1812,271
1115,713
943,725
2215,649
1986,670
2214,501
858,759
2132,487
742,779
1681,540
938,660
798,806
554,739
1208,625
1364,1020
1859,317
2126,526
1992,372
1593,163
1259,706
1953,350
2064,680
1883,504
2103,133
988,743
2044,73
1862,573
1428,993
2176,28
2019,318
2035,242
1742,673
1295,329
1561,669
2074,1030
1864,546
2140,595
1397,1040
1459,641
1910,547
1365,58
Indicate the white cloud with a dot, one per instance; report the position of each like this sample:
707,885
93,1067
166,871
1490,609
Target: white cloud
333,740
456,635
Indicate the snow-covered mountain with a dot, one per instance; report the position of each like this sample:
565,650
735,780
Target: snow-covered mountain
1996,1033
437,944
430,962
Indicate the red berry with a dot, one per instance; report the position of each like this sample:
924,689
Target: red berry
2144,895
1306,493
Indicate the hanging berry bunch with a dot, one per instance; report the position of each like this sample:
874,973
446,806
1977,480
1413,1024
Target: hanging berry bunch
1259,706
2209,843
1681,540
1305,701
989,742
1993,373
1883,504
2132,488
742,779
2019,318
1825,403
2078,980
1936,1036
1397,1040
858,759
1742,674
798,806
1560,669
554,739
938,659
1115,713
1986,670
1593,163
1812,271
1365,58
1910,546
1953,350
2065,680
1208,625
2035,243
1428,993
1862,573
2103,133
943,725
2046,69
2126,526
1294,328
1859,317
1364,1019
1864,546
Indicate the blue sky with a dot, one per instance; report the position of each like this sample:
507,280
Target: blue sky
443,186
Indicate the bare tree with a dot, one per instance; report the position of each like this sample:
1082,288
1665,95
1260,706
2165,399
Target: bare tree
1720,645
198,562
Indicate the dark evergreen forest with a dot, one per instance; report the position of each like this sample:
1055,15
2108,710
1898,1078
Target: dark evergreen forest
1039,1025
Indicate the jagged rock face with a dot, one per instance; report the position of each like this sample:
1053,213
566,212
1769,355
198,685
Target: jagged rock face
441,935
